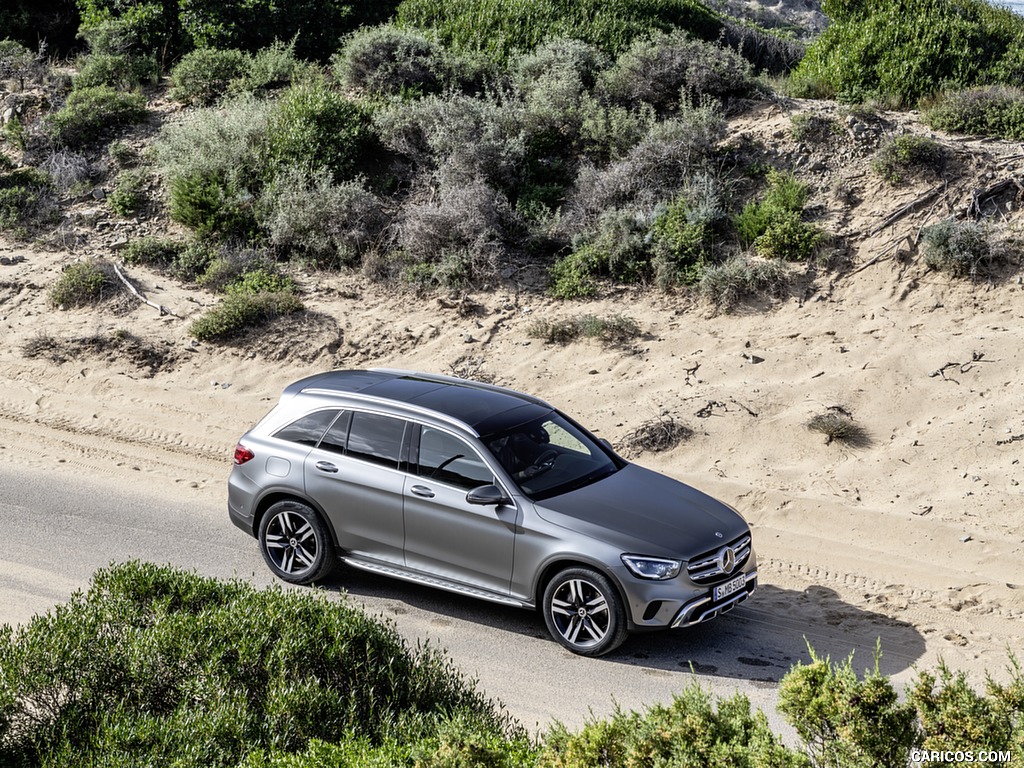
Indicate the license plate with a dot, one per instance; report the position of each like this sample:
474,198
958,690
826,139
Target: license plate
731,587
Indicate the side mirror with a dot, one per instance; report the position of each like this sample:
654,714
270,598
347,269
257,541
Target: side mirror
604,441
487,495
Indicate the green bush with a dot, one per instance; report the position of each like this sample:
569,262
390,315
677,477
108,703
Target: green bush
241,312
846,721
694,730
203,76
996,110
785,195
501,28
116,70
81,284
908,155
90,114
617,248
953,716
684,234
907,49
156,666
141,28
212,205
390,60
788,237
961,248
152,251
665,68
317,127
271,67
128,195
315,25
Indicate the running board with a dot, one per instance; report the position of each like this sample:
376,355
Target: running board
433,581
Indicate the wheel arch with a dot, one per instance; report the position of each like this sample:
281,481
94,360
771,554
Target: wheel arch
553,568
272,497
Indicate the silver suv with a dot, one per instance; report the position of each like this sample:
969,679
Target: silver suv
486,492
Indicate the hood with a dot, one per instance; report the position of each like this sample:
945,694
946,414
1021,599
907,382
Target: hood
646,513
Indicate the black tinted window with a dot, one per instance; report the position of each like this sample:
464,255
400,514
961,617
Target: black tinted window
448,459
376,438
337,435
309,428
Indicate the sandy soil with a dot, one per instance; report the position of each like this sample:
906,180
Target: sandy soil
920,522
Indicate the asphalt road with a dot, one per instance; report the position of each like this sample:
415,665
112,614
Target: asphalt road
59,527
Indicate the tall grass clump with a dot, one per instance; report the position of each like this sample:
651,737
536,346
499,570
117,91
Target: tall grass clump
904,50
994,110
739,277
153,664
499,28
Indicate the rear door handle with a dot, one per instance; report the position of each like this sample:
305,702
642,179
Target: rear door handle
422,490
326,466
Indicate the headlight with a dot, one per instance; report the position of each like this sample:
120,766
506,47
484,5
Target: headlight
657,568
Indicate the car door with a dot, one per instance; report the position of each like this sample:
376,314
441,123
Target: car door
353,474
444,534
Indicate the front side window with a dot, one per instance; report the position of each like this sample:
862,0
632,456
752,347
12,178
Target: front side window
309,429
376,438
447,459
550,455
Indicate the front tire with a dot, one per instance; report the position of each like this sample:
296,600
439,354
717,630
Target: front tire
584,613
295,543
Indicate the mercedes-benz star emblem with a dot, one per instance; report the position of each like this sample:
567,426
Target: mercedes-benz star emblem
726,559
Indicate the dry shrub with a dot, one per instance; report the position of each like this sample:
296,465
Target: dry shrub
610,329
330,224
463,227
837,424
662,433
654,170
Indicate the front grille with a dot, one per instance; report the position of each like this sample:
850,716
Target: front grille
705,568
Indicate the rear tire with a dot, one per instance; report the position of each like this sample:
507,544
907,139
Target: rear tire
584,612
295,543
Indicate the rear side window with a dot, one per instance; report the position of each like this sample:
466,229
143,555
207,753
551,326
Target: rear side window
376,438
309,429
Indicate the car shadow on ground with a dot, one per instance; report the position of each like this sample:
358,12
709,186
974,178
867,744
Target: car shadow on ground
759,640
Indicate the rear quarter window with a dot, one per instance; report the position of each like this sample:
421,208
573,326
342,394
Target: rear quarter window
310,428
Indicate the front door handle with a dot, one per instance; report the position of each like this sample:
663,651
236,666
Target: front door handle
326,466
422,490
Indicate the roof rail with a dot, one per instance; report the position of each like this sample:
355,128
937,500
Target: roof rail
396,405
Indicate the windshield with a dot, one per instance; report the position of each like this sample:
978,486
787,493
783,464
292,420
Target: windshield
550,455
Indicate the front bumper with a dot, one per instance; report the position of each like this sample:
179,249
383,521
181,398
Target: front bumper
704,608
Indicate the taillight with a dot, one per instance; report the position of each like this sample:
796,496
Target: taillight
243,454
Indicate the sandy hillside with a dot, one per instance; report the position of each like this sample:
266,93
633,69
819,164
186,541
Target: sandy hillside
920,522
